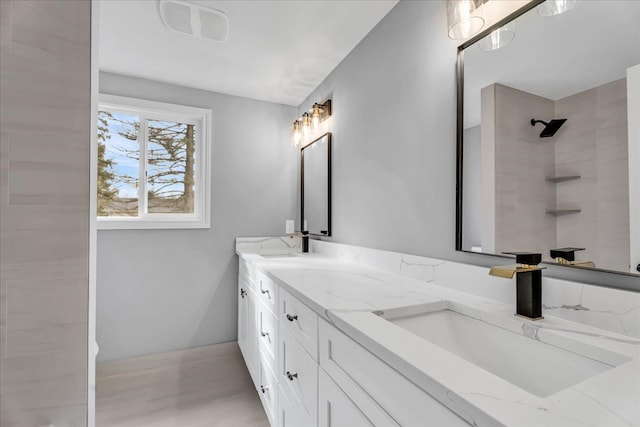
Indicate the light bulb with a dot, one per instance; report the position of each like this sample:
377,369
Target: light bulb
556,7
315,115
297,133
306,124
498,38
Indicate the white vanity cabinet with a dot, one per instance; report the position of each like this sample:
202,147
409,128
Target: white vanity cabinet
308,373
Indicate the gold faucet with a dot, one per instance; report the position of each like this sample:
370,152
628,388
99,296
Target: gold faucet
528,283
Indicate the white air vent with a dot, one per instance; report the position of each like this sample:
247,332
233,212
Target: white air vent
194,20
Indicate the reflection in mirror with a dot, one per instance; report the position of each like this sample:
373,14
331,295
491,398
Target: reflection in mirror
551,134
315,194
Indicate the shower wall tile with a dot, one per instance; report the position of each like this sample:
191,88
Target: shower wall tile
593,144
522,162
44,219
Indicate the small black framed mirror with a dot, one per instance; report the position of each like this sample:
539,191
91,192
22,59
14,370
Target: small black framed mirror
315,186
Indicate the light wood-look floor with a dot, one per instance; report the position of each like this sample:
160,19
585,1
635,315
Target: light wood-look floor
205,386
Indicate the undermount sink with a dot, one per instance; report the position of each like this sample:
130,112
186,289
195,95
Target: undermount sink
285,255
537,367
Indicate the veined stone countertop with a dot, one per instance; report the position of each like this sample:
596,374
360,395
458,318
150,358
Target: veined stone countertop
346,294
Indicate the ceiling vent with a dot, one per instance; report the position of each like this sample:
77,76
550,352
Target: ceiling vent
194,20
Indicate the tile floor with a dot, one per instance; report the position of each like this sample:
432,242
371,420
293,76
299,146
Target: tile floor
206,386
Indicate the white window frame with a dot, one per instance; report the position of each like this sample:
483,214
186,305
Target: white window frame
151,110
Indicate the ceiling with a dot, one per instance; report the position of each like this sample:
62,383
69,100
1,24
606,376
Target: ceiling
277,51
558,56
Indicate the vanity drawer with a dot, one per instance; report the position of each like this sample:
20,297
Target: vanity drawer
267,389
267,290
298,376
267,334
300,321
335,408
384,395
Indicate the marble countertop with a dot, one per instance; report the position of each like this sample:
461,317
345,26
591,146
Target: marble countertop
347,294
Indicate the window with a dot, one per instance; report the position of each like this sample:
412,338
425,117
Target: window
153,168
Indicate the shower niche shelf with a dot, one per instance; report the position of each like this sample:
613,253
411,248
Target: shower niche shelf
557,179
562,212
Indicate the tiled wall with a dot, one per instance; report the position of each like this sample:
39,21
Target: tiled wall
522,162
594,146
591,144
44,199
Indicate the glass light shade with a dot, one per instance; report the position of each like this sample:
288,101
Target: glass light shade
463,19
556,7
498,38
315,115
296,138
306,123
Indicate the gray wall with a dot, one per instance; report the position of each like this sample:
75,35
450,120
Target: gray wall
394,141
45,142
161,290
394,134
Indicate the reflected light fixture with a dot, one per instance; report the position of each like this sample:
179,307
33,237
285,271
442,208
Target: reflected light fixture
498,38
464,18
556,7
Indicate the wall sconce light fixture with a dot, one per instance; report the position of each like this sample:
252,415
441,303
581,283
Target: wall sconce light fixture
310,121
320,112
463,18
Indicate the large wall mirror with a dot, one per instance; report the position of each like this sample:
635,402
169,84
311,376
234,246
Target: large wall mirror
549,136
315,186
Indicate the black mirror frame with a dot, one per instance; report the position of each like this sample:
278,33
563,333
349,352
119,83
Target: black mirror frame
328,136
459,138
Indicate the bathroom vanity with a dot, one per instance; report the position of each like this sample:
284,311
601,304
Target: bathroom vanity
348,336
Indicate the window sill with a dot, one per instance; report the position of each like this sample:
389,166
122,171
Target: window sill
123,224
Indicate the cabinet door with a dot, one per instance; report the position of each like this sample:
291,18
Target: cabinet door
334,406
298,375
252,333
268,389
243,322
290,413
247,335
267,333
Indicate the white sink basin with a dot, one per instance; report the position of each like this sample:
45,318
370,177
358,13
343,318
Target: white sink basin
537,367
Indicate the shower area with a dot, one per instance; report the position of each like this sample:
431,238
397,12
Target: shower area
550,170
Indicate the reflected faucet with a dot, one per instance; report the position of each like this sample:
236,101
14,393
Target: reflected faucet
528,283
567,256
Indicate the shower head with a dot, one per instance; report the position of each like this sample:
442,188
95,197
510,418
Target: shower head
550,128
